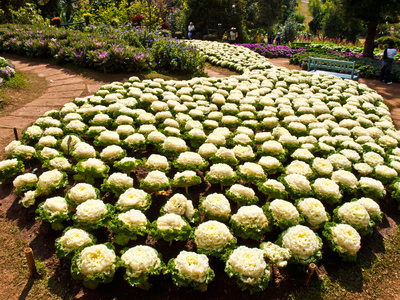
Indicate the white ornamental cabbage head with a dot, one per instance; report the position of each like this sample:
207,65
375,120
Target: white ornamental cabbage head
133,218
24,179
120,179
140,260
212,235
82,192
192,265
298,183
49,179
217,205
301,241
327,187
170,222
249,263
97,259
354,214
174,143
221,171
346,238
75,238
346,178
313,210
251,216
90,211
283,210
176,205
299,167
133,198
55,206
370,205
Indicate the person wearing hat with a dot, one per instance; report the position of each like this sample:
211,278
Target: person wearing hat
191,30
233,35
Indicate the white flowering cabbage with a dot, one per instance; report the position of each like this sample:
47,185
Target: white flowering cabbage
344,240
94,265
303,243
249,267
213,238
191,269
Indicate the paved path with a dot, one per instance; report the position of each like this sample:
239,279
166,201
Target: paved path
63,86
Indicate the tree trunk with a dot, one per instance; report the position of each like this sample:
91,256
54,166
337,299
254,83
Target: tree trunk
370,38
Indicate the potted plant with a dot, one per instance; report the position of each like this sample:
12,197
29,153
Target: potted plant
87,16
137,20
56,21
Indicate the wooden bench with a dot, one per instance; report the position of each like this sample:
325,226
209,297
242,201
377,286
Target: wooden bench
340,68
301,44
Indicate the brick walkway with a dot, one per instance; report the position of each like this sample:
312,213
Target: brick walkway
64,86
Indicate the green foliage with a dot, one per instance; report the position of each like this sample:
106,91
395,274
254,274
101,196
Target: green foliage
27,14
131,50
289,30
384,40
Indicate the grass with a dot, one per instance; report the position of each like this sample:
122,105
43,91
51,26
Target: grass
375,275
17,82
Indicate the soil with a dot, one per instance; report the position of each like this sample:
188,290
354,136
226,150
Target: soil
63,85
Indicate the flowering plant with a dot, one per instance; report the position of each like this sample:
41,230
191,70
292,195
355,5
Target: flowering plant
282,213
250,222
241,195
213,238
133,199
117,183
343,239
93,214
249,267
303,243
190,269
128,225
50,181
25,182
171,227
185,179
94,265
73,240
140,263
54,210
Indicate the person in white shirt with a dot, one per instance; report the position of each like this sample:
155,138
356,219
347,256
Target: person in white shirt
191,30
387,63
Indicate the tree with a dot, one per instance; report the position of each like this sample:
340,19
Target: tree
207,14
371,13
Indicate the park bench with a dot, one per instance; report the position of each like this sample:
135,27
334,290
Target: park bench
301,44
340,68
72,24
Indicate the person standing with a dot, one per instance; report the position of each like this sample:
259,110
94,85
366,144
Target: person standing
233,35
387,63
191,30
278,39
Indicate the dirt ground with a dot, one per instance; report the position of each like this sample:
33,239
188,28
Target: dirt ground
58,86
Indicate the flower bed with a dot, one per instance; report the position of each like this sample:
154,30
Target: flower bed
271,51
323,150
131,50
7,70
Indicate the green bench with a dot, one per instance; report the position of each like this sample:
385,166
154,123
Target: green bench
73,24
340,68
300,44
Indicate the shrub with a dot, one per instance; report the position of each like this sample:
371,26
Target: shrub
384,40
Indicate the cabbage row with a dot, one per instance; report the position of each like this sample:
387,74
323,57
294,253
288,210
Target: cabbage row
299,156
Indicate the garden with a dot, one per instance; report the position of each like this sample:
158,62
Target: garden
208,186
